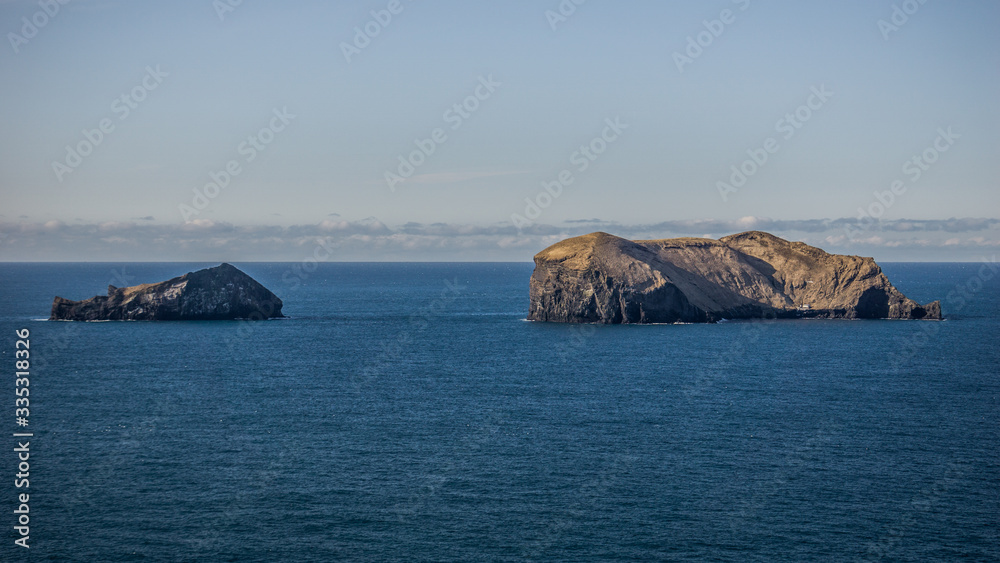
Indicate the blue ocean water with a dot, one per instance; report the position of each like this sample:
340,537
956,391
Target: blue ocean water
407,412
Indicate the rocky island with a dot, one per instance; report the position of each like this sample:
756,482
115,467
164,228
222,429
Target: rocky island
220,293
601,278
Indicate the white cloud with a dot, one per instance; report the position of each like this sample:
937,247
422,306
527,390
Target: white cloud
370,239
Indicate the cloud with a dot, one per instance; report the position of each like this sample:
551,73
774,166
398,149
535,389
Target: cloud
373,240
723,227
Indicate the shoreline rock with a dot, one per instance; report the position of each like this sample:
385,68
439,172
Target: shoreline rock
220,293
601,278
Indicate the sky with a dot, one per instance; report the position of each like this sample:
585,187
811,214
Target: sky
447,130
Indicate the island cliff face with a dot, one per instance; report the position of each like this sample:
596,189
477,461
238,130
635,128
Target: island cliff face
601,278
219,293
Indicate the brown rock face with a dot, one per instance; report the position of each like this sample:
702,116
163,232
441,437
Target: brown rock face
220,293
601,278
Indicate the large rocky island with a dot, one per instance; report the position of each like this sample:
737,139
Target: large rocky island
601,278
219,293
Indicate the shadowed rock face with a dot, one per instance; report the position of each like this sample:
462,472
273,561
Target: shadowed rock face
601,278
219,293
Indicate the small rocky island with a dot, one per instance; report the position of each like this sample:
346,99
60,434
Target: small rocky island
601,278
219,293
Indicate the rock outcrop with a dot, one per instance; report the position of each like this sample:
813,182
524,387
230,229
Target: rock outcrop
601,278
219,293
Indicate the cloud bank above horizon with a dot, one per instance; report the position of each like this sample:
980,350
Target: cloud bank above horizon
338,240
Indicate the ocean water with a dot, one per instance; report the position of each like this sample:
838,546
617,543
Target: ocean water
407,412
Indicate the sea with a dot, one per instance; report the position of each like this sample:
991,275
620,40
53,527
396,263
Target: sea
409,412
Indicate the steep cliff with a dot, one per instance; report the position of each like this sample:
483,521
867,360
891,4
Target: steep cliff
219,293
601,278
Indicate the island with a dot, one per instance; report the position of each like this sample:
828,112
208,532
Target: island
220,293
602,278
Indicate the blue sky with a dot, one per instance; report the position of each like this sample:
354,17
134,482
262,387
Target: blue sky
217,81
